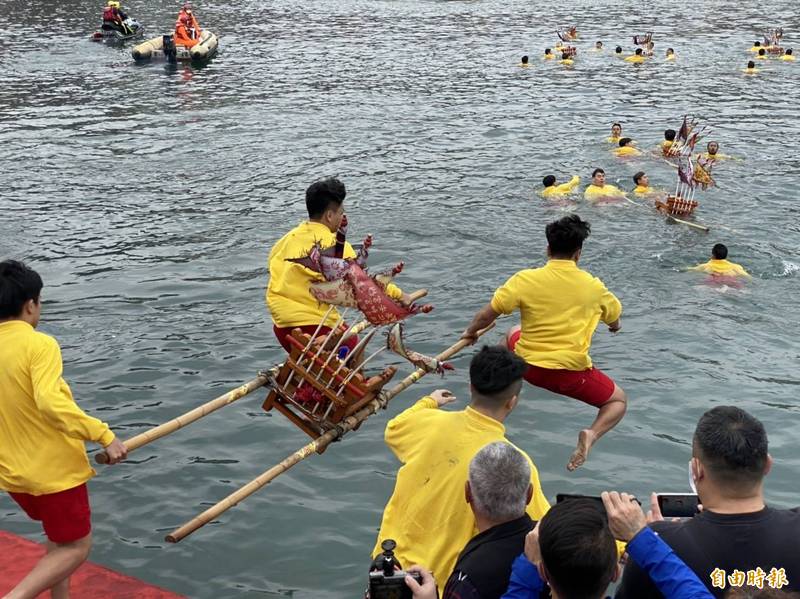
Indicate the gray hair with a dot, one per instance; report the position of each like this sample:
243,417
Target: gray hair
499,478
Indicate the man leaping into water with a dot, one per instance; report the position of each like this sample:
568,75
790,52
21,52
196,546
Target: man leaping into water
560,306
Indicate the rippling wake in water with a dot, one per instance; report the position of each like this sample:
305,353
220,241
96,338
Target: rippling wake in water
148,198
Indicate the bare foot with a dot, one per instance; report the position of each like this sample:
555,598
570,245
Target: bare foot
586,439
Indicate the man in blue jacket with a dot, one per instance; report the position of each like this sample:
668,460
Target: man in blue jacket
572,548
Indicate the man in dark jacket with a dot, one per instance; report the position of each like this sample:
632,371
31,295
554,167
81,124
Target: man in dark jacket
498,490
737,540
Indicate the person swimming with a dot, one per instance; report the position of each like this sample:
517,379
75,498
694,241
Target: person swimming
618,51
642,182
669,141
626,148
599,190
638,57
712,152
788,55
548,54
751,68
756,46
670,54
762,54
551,190
598,46
616,133
649,49
523,62
566,59
720,266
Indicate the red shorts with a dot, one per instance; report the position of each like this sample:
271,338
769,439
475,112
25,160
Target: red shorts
65,516
590,386
283,333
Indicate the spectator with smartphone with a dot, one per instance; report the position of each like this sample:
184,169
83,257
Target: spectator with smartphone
498,490
572,548
736,530
426,514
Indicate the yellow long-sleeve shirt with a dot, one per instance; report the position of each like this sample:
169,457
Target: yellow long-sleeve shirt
595,191
560,306
635,58
288,297
427,514
563,189
722,268
42,430
626,151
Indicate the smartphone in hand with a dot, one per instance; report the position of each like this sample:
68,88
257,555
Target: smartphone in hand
678,505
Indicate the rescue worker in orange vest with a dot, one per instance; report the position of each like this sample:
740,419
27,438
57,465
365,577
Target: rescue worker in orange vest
114,18
187,29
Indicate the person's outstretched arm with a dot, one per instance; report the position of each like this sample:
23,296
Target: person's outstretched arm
481,320
672,577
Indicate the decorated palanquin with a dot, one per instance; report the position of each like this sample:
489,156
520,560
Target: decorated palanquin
315,388
567,34
322,382
643,40
676,206
691,173
772,41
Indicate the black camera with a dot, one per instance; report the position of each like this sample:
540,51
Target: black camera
387,580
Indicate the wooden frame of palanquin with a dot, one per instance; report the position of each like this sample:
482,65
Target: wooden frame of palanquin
326,373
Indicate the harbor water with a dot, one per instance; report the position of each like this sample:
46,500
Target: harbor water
148,196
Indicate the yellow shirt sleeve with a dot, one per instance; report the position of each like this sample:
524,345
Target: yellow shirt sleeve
610,306
700,267
402,431
569,185
506,298
54,399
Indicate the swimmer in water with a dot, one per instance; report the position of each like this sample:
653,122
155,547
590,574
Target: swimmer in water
600,190
636,58
524,62
669,141
719,266
548,54
788,55
551,190
618,51
649,49
565,59
598,46
616,133
751,68
670,54
756,46
642,182
626,148
712,152
762,54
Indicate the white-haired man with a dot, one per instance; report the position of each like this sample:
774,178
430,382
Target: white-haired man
498,490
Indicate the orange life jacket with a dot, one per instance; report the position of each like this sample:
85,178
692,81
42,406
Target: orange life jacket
187,35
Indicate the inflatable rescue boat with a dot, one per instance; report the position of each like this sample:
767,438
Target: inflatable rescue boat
164,48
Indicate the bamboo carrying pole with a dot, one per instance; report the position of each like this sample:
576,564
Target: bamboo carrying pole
173,425
314,446
165,429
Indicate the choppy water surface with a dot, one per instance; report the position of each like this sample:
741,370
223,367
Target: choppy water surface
148,198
